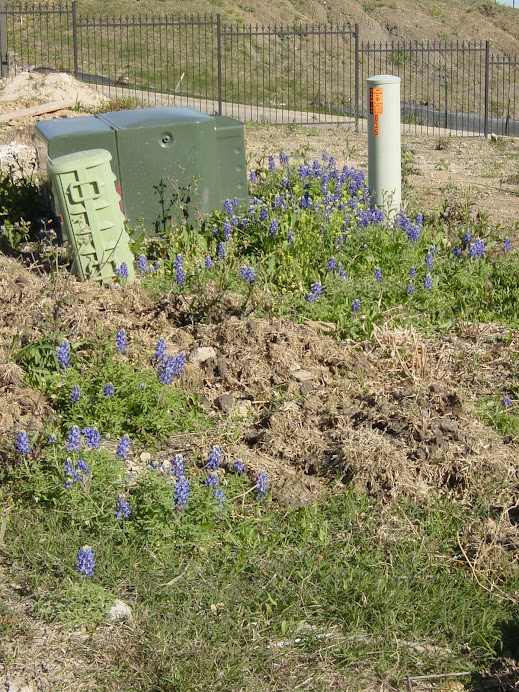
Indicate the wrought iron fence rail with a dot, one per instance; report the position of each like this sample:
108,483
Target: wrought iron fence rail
283,73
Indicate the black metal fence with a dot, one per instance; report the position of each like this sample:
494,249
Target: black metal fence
282,74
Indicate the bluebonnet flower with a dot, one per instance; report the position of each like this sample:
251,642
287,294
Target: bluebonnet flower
457,252
304,170
274,226
122,270
157,266
160,351
208,263
332,264
215,458
69,472
238,466
73,442
272,163
212,480
142,386
506,401
477,249
283,158
227,231
93,437
52,440
412,272
467,239
220,252
355,306
261,485
428,282
122,508
123,448
253,177
181,492
284,182
410,288
82,467
291,235
173,366
22,444
121,341
178,466
248,274
342,272
85,562
263,215
228,207
235,203
429,260
109,390
63,354
75,394
77,474
219,496
179,269
317,290
507,245
142,264
378,274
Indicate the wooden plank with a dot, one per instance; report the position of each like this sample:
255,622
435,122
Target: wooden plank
38,110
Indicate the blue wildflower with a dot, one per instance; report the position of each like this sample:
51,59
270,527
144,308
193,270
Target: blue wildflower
22,444
317,291
272,163
123,448
507,245
253,177
208,263
52,440
428,282
75,394
85,562
109,390
228,207
412,272
142,264
220,252
283,158
467,239
212,480
477,249
122,270
238,466
457,252
219,496
121,341
214,459
355,306
182,492
410,288
73,442
178,466
122,508
261,485
160,351
274,226
332,264
93,437
63,354
173,366
227,231
291,235
263,215
378,274
248,274
429,260
506,401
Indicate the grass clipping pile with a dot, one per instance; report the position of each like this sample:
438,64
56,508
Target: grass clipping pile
392,416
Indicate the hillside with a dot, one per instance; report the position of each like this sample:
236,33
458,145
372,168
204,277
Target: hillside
379,20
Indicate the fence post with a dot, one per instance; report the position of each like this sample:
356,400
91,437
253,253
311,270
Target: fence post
4,60
487,70
219,51
74,37
357,92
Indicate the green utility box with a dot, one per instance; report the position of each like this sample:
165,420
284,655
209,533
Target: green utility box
170,164
86,199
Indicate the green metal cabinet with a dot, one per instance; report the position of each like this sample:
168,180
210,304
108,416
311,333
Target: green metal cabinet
170,164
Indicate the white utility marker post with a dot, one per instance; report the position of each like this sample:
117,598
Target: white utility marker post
384,155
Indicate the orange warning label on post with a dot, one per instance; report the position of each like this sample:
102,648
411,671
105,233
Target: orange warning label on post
376,101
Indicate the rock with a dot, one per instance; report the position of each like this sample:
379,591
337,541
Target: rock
145,457
321,327
243,409
302,375
201,354
120,611
306,387
225,402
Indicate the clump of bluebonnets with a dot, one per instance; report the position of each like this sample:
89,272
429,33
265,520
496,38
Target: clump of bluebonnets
63,354
123,448
261,485
108,390
76,473
122,270
85,562
315,292
122,508
75,394
172,366
214,460
182,491
73,442
121,342
22,444
248,274
92,437
238,466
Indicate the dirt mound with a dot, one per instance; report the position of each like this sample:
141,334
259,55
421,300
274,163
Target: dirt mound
27,89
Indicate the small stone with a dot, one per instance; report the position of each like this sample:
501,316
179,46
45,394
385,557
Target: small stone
225,402
321,327
302,375
306,387
145,457
201,354
243,410
120,611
